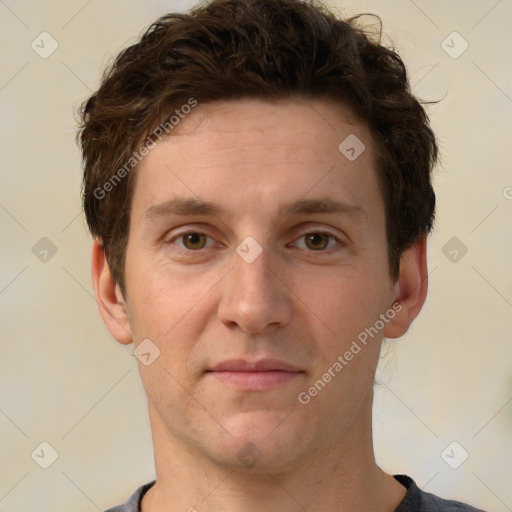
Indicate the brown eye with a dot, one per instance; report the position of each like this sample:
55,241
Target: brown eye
317,241
193,241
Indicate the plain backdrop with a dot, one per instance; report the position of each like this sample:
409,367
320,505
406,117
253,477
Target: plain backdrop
66,382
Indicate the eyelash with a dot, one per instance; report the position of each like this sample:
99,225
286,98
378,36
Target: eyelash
328,249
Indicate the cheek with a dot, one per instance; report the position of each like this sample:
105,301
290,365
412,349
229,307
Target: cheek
346,304
343,300
169,307
154,304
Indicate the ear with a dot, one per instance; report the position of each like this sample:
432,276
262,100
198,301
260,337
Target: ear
410,289
111,302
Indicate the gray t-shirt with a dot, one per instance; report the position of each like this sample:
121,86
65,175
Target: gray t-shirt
415,500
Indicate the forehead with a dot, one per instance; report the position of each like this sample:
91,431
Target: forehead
284,122
249,153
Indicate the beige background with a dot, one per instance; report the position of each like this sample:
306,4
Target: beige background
66,382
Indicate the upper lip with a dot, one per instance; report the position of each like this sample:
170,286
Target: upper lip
263,365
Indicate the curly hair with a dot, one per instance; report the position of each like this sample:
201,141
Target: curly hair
267,49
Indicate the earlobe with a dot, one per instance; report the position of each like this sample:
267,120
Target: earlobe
111,302
410,289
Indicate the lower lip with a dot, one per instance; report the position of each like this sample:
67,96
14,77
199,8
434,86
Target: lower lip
256,381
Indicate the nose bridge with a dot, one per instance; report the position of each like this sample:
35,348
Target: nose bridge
253,297
252,265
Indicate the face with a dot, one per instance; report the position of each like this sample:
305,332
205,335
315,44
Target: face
257,257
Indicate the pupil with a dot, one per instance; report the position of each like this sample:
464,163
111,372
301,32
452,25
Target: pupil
194,238
315,238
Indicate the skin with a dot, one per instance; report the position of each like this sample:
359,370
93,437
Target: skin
201,303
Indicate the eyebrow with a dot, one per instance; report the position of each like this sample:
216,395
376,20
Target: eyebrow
189,206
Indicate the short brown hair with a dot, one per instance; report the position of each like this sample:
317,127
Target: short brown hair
229,49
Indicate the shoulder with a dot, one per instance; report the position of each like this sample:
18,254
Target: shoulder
432,503
417,500
133,503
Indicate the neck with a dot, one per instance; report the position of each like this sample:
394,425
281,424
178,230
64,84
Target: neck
341,475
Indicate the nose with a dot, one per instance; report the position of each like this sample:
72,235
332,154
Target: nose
255,296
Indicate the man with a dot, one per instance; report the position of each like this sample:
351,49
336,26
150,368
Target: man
257,182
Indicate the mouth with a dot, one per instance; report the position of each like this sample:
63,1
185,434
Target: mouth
255,376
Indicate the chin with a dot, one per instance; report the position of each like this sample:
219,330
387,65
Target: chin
261,442
260,426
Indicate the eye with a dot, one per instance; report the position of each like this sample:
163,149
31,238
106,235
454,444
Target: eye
192,240
314,240
318,241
